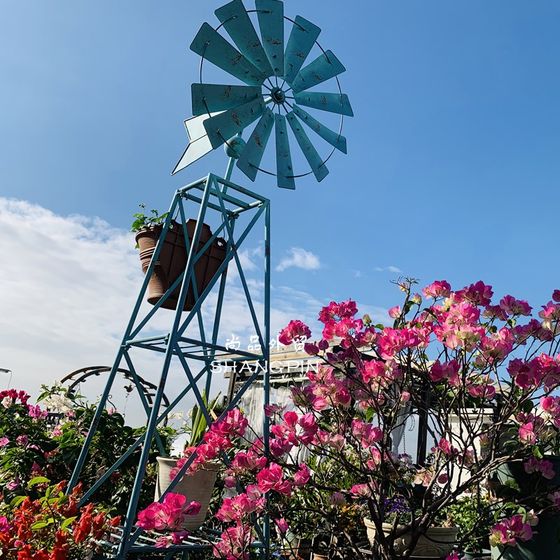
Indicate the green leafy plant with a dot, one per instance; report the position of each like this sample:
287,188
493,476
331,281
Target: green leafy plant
472,515
198,423
37,441
146,221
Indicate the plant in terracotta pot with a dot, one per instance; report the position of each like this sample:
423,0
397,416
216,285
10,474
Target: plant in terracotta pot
173,256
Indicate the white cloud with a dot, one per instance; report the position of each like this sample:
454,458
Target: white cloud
299,258
68,287
390,268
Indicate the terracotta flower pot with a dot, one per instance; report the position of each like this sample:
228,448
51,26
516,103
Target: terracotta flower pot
437,542
173,261
196,487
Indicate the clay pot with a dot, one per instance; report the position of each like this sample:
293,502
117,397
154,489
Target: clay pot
196,487
173,260
437,542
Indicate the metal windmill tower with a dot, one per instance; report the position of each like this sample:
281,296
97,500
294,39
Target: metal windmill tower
277,77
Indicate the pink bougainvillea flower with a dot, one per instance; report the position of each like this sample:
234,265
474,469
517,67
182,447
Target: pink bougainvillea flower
302,476
513,306
234,543
395,312
271,409
282,525
448,371
240,507
13,484
311,348
446,447
555,498
338,311
508,531
169,514
272,478
551,409
4,441
439,288
478,294
544,467
296,330
393,341
527,433
361,490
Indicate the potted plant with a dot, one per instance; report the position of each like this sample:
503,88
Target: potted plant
473,516
173,256
198,483
438,540
529,488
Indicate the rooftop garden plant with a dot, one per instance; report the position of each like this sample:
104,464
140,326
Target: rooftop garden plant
472,367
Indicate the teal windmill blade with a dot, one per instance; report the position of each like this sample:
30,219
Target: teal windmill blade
332,102
271,22
210,98
335,139
285,170
317,164
302,38
210,45
251,157
237,23
229,123
323,68
278,80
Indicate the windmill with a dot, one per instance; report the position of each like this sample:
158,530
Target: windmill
282,84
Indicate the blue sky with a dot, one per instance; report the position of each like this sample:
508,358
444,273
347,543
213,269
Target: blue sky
453,163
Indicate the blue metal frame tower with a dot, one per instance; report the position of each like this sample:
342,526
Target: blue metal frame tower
277,85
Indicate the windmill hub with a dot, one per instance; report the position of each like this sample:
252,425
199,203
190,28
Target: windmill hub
278,95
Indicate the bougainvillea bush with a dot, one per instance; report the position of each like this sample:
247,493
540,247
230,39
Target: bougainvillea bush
485,374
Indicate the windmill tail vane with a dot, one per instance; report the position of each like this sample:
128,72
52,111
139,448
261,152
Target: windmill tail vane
277,80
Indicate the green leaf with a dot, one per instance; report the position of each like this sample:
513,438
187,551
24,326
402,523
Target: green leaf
67,522
37,480
42,524
17,501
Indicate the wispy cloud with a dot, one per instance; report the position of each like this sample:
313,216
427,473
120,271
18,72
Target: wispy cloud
69,287
391,268
299,258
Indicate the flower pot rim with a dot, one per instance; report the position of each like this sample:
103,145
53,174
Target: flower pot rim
433,529
208,466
